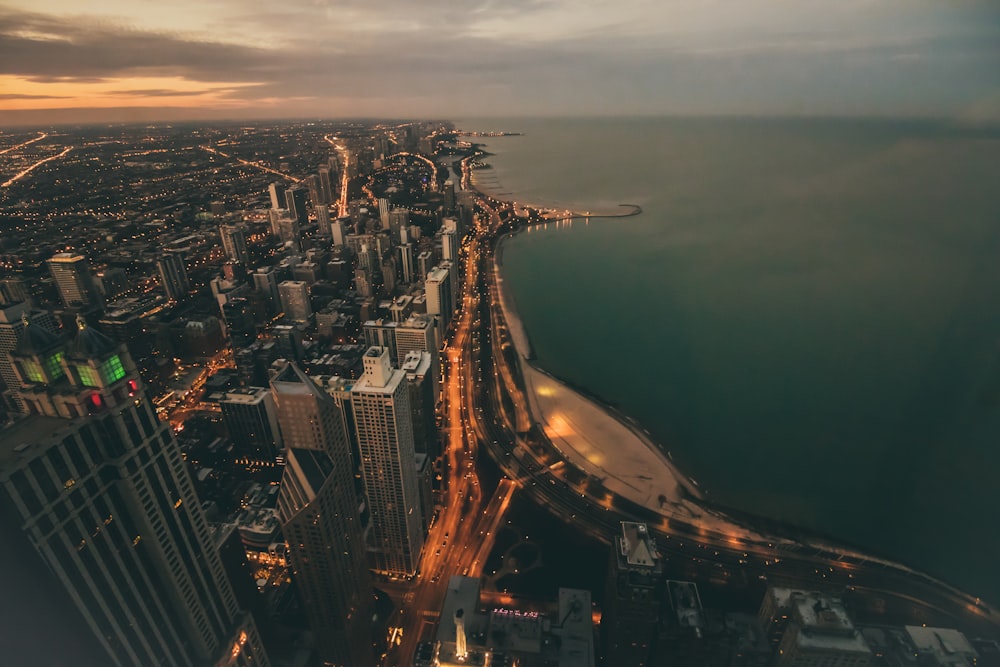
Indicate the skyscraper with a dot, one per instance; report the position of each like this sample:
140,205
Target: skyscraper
173,275
384,428
439,296
234,243
251,419
631,605
325,183
72,277
315,192
295,202
277,192
99,519
295,300
319,514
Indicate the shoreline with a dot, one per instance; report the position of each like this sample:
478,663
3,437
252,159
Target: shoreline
696,508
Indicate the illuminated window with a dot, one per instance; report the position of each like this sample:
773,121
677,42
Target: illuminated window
54,365
87,376
112,369
33,371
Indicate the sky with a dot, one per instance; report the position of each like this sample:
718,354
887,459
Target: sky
73,61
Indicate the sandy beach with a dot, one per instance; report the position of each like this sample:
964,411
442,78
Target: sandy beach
601,442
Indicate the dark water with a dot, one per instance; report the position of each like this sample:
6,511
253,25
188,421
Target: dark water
807,313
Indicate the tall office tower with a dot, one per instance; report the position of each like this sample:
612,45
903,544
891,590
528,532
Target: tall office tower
420,383
325,184
388,273
173,275
288,232
12,321
406,263
274,216
385,439
295,300
631,603
234,243
381,333
277,192
383,212
295,202
419,334
112,282
315,195
812,628
251,418
368,258
337,231
241,325
288,342
100,521
455,283
449,196
425,262
265,281
363,283
439,299
399,221
72,277
323,220
449,246
12,290
321,522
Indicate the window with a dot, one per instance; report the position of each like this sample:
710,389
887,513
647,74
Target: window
54,365
112,369
87,376
32,371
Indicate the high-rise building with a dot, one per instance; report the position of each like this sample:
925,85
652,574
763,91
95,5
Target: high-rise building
399,222
420,381
173,275
439,296
251,419
425,262
406,263
12,323
418,333
449,246
322,220
294,296
383,212
381,333
234,243
384,429
325,184
100,521
315,194
265,281
277,192
289,231
72,277
449,196
321,522
337,231
295,202
112,283
631,603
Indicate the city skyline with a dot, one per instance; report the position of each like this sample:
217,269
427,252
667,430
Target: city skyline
135,62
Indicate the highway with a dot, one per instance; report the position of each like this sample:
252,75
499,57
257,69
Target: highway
486,413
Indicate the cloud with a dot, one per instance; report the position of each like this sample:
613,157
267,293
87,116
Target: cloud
457,57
